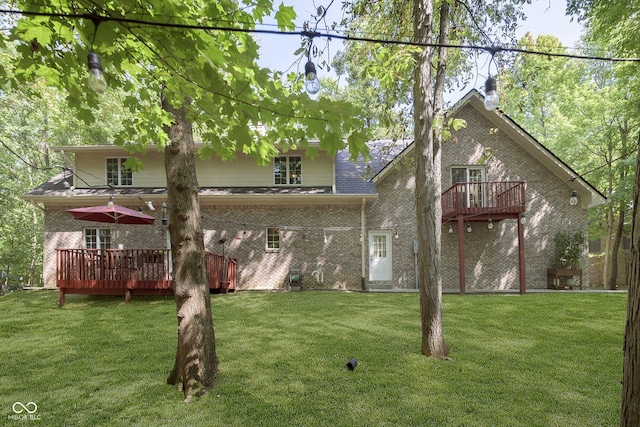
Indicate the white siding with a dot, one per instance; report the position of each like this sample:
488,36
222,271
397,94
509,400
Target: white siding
240,172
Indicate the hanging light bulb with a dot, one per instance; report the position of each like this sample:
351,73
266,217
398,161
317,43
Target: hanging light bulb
111,202
491,99
469,228
450,229
573,200
523,218
96,77
490,224
312,84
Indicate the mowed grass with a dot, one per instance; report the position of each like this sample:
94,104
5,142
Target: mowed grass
534,360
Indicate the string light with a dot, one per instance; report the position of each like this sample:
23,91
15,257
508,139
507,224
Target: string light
491,98
97,82
308,34
312,84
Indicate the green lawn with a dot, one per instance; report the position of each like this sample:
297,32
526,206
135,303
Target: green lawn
535,360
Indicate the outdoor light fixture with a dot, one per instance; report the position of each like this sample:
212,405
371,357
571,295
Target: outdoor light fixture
490,224
111,202
491,99
450,229
469,228
312,84
164,218
395,236
96,77
573,200
523,218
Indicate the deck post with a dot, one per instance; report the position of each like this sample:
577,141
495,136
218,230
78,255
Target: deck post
461,274
523,284
61,298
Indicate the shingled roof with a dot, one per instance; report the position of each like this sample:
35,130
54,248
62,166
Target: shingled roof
355,177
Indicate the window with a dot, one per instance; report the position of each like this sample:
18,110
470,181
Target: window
287,170
473,176
97,238
118,174
379,246
273,239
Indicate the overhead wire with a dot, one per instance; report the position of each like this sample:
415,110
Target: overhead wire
310,34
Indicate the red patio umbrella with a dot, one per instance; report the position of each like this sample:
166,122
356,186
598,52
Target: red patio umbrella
115,215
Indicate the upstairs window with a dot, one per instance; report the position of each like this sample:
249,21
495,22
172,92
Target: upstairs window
97,238
118,174
287,170
273,239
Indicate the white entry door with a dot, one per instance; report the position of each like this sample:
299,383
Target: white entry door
380,256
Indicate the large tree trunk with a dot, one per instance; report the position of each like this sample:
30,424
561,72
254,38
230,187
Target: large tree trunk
630,412
196,363
428,189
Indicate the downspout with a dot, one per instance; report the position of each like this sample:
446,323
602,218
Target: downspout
363,246
333,175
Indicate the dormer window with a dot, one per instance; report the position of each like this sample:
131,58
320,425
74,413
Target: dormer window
287,170
118,174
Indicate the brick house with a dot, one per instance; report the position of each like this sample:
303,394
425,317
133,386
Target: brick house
345,225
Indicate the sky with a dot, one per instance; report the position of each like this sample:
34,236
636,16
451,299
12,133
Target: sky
543,17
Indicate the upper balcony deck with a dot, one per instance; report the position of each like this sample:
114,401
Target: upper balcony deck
478,201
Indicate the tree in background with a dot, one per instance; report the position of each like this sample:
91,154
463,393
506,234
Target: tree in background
577,109
171,80
34,118
616,23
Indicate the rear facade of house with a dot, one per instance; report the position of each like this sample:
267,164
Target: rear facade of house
344,225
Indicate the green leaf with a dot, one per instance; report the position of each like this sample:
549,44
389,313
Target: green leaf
285,17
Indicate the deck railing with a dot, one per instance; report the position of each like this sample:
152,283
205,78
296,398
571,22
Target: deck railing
472,198
133,269
221,272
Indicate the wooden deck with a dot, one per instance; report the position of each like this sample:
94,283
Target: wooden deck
484,201
479,201
131,271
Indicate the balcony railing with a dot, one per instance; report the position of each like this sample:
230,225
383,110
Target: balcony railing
500,198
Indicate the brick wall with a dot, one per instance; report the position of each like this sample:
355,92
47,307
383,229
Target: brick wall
314,238
491,256
395,211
